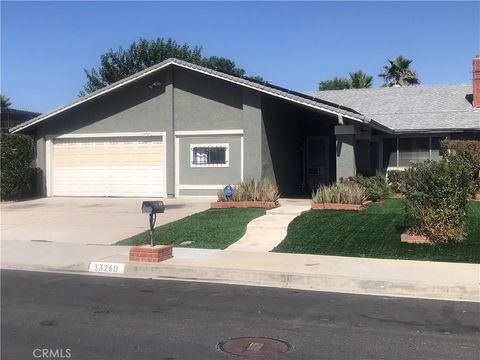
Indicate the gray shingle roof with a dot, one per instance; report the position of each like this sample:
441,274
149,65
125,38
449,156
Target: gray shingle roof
412,108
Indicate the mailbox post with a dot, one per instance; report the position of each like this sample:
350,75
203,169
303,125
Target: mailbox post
152,208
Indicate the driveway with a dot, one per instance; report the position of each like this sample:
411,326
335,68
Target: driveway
101,221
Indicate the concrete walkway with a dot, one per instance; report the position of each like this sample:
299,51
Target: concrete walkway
266,232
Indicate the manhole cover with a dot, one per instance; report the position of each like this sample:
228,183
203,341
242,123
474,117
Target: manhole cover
254,346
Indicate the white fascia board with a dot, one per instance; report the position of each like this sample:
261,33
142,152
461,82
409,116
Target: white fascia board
200,187
107,135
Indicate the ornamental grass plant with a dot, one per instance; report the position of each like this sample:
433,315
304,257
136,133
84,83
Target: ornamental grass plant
252,190
342,193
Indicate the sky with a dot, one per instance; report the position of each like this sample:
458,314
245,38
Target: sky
46,45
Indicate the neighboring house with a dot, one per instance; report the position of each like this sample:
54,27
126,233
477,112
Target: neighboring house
13,117
180,129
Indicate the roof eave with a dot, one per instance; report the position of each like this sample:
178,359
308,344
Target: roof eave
433,130
213,73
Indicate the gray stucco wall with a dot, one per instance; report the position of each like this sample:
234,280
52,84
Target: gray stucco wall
345,152
134,108
186,101
210,175
205,103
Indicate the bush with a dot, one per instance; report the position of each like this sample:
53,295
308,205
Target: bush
466,151
436,194
16,175
343,193
376,187
396,181
252,190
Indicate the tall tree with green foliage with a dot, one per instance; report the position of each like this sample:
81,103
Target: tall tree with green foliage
5,102
399,73
337,83
358,80
121,63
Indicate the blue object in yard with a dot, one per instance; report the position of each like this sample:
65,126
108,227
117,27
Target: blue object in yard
228,191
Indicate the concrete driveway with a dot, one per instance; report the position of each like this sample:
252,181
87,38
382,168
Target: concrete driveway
87,220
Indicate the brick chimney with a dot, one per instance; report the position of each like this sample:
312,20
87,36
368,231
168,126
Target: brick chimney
476,82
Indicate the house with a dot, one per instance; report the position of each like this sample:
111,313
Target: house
13,117
181,129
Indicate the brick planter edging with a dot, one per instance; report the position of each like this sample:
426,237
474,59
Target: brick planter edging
414,239
146,253
355,207
243,204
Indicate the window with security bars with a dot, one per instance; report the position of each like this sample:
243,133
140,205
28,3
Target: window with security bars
209,155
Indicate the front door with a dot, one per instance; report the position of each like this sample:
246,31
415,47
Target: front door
317,161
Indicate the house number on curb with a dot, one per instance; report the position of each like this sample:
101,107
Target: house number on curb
106,267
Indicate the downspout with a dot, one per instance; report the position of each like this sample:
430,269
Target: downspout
174,155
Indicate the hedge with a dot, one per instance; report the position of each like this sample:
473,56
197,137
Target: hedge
16,173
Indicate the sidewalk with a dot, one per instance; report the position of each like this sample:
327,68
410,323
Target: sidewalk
422,279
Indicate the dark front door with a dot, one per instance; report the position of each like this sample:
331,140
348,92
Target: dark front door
317,161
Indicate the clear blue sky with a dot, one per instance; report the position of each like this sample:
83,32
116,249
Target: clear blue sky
46,45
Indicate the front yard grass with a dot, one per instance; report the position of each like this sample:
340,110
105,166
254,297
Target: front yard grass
374,233
210,229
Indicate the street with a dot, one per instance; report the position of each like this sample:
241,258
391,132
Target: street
91,317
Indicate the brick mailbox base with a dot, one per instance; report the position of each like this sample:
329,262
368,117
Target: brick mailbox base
146,253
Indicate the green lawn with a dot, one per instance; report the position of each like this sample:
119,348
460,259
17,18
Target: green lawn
375,233
210,229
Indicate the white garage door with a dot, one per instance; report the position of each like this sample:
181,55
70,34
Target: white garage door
126,166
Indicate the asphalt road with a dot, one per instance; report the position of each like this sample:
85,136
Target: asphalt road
115,318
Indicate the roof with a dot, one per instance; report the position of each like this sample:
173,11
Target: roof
11,111
292,96
412,108
12,117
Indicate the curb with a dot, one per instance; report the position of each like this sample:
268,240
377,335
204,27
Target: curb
299,281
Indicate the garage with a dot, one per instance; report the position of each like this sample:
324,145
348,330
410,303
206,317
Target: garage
107,166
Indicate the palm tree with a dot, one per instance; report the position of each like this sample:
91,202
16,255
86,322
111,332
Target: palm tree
360,80
398,73
5,102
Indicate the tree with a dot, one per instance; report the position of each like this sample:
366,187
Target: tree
5,101
360,80
337,83
222,64
398,73
119,64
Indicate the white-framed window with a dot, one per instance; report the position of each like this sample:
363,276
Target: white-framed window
399,152
209,155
